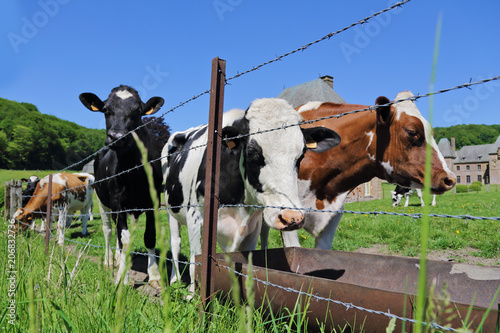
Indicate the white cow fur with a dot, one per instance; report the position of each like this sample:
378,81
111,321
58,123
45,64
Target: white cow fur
407,198
239,228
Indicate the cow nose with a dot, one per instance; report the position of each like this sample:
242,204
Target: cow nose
449,182
114,135
291,219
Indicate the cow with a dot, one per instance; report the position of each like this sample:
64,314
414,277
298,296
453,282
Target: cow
121,182
400,191
255,170
31,182
70,192
388,142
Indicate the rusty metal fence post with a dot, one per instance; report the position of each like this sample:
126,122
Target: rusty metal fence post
212,181
47,221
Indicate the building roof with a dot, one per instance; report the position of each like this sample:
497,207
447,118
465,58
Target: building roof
478,153
444,146
313,91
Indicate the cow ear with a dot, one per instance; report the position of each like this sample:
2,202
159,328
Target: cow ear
24,180
91,102
320,139
383,111
154,104
230,132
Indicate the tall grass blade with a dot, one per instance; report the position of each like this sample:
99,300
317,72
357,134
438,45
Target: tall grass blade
427,193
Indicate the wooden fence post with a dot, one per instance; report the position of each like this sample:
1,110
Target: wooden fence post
212,182
6,203
15,196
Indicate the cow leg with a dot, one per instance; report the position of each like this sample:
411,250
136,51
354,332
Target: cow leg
106,229
194,232
175,247
433,200
264,236
419,193
150,242
407,197
123,235
87,213
325,240
91,208
249,241
42,226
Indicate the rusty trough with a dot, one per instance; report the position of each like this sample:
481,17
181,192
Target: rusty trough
374,282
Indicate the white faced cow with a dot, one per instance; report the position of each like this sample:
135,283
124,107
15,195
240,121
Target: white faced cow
255,170
70,192
389,144
126,190
400,191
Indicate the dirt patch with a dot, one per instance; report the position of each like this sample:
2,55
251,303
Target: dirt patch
465,256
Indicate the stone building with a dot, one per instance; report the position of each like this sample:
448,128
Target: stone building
321,90
477,163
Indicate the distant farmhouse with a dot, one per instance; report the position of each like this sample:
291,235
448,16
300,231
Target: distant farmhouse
321,90
473,163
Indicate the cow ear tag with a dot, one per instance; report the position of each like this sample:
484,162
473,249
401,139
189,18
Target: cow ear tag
230,144
150,111
312,145
94,108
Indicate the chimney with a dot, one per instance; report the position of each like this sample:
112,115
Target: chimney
453,145
328,80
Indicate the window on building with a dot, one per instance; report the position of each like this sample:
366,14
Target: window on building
467,167
458,179
479,178
467,179
368,189
458,167
479,166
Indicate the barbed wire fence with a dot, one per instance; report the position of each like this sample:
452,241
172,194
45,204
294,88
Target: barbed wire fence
309,210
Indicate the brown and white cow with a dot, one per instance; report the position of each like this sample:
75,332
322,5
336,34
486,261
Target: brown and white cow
388,143
70,192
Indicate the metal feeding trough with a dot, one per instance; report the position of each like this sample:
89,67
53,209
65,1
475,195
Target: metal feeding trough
376,282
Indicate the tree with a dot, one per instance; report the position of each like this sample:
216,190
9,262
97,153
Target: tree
160,130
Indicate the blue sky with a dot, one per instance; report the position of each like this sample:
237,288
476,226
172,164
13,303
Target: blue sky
53,50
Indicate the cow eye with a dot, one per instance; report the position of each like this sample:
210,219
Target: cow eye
411,133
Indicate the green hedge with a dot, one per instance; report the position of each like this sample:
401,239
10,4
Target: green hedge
476,186
461,188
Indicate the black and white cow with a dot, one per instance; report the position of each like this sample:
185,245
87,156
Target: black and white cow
255,170
123,111
400,191
27,193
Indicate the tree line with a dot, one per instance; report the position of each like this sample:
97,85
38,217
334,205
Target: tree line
35,141
468,135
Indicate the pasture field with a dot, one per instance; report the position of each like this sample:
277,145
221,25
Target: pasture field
90,301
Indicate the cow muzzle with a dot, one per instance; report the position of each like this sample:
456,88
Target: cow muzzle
289,219
115,140
444,184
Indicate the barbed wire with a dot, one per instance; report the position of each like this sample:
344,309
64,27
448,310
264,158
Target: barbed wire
326,37
348,306
369,108
302,48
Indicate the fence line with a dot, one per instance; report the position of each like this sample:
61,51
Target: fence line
302,48
267,283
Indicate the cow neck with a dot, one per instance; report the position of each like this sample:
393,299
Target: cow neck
348,165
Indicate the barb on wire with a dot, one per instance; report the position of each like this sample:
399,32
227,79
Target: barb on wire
302,48
326,37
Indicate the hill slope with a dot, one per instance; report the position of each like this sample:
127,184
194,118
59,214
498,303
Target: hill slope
32,140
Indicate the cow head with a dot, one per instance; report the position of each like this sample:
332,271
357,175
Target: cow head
23,218
123,111
32,181
402,135
270,160
396,198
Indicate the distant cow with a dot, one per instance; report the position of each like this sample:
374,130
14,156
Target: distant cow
255,170
129,190
388,142
30,188
70,192
400,191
